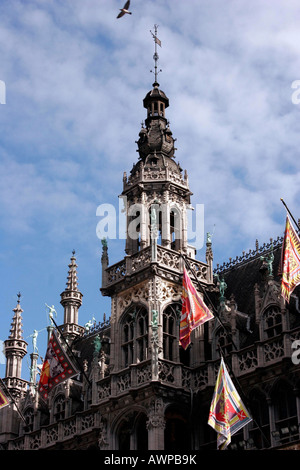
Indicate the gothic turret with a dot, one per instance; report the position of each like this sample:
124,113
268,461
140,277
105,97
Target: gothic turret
71,300
15,348
15,345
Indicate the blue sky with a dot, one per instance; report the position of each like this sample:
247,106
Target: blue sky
75,80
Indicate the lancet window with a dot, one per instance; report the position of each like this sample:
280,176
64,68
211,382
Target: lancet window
272,322
135,336
59,408
171,332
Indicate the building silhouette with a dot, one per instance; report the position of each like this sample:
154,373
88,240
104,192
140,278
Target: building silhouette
137,388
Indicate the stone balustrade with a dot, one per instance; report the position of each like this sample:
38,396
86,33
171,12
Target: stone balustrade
167,258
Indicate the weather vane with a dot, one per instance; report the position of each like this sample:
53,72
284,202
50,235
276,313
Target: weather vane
155,56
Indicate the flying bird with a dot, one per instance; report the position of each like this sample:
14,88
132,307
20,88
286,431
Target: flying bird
124,9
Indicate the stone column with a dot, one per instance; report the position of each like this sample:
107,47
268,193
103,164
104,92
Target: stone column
156,425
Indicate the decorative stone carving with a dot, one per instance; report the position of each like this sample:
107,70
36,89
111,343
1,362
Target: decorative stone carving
134,295
156,414
167,292
102,439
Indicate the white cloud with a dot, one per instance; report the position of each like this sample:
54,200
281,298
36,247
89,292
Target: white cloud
76,78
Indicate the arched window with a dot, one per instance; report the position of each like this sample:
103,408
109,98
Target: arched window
128,338
135,336
171,332
142,335
272,322
59,408
175,228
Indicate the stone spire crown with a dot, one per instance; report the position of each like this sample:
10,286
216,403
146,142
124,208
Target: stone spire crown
16,331
71,298
72,282
15,346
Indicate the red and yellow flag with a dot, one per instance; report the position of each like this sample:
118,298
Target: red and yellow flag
290,261
57,367
194,311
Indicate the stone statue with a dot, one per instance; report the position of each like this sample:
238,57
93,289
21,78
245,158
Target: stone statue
34,340
51,313
97,345
222,286
269,261
208,237
154,322
88,325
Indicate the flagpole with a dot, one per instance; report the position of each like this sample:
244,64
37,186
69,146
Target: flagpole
14,402
71,352
297,225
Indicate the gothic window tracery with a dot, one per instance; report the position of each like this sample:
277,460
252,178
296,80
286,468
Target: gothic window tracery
170,332
272,322
135,336
59,408
223,342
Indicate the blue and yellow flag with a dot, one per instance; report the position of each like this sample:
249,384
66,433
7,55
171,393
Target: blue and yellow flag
227,413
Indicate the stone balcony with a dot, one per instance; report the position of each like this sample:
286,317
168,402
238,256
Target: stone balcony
169,260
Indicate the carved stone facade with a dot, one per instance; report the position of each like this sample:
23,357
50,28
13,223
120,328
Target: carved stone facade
138,388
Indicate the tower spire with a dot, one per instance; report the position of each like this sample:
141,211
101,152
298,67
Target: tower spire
155,56
15,346
71,299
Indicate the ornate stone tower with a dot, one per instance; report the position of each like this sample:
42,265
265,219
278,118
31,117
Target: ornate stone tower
71,300
15,350
145,287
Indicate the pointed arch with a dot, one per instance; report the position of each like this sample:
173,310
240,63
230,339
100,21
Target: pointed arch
129,429
272,321
134,336
171,320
